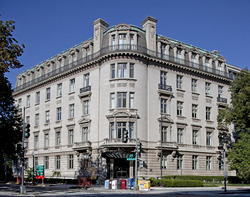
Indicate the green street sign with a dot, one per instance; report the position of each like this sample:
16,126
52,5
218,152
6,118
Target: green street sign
40,171
131,157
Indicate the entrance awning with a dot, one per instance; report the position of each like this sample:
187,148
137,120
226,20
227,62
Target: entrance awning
118,155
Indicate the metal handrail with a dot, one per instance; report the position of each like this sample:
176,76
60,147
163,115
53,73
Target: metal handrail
123,48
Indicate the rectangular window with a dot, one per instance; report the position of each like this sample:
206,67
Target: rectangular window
122,41
28,101
131,130
121,99
164,163
112,130
47,117
86,80
37,97
195,137
122,70
47,93
46,162
58,138
59,90
208,113
131,70
131,99
178,55
59,114
28,119
36,161
209,138
132,41
194,111
179,162
72,85
163,78
85,105
85,134
20,103
112,71
194,85
195,162
113,42
207,88
112,100
193,59
179,108
220,91
209,163
36,119
71,111
121,126
164,105
71,161
180,135
179,82
36,142
207,65
71,136
58,162
46,140
164,134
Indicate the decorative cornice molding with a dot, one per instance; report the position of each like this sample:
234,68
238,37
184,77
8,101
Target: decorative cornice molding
122,26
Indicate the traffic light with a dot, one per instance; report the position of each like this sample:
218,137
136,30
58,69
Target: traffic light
125,136
27,131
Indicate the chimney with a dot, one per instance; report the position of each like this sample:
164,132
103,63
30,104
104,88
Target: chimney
99,27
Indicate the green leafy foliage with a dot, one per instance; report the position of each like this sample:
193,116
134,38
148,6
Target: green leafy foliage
175,183
239,157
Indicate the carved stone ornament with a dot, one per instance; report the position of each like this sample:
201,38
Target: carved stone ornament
20,76
86,44
166,118
195,50
164,40
72,51
222,59
209,55
122,26
59,57
28,72
38,68
180,46
84,120
121,114
48,63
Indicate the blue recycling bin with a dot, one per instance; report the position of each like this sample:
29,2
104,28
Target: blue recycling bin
106,185
130,182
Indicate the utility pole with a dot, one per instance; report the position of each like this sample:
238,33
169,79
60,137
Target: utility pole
22,187
136,155
224,166
161,146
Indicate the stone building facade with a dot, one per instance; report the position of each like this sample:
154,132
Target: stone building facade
80,101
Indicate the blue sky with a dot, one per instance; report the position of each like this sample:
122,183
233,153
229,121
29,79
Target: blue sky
48,27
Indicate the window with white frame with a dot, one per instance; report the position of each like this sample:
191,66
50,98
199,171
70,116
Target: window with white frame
58,162
179,162
194,111
36,119
121,70
122,41
220,91
131,130
131,99
71,161
112,71
121,99
208,163
180,135
86,80
112,100
121,126
164,134
36,142
59,89
207,64
209,138
195,136
194,162
163,50
46,140
72,85
113,42
85,105
132,42
71,110
28,101
85,134
164,163
131,70
47,117
194,85
207,88
37,97
179,82
112,130
208,113
179,108
59,113
163,78
193,60
70,136
58,138
164,105
47,94
46,162
178,55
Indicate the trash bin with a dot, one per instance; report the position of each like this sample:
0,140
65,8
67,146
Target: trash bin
106,184
147,186
118,183
114,184
110,183
123,184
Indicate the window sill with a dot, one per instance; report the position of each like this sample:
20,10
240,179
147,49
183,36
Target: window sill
58,97
48,100
71,93
126,79
180,90
209,96
37,104
196,93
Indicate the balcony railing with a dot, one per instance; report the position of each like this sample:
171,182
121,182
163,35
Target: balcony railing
85,89
221,100
122,48
165,87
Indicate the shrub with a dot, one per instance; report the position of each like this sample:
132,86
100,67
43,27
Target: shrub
175,183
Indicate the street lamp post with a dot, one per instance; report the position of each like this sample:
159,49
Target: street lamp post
136,155
22,187
161,146
33,156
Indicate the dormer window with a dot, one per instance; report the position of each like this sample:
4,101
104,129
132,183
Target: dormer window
122,41
178,55
207,64
193,59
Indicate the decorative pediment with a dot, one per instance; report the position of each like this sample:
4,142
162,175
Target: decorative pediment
121,114
166,118
84,120
122,26
195,50
86,44
180,46
164,40
209,55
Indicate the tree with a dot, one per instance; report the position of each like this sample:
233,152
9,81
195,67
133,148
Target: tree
10,119
239,157
238,114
